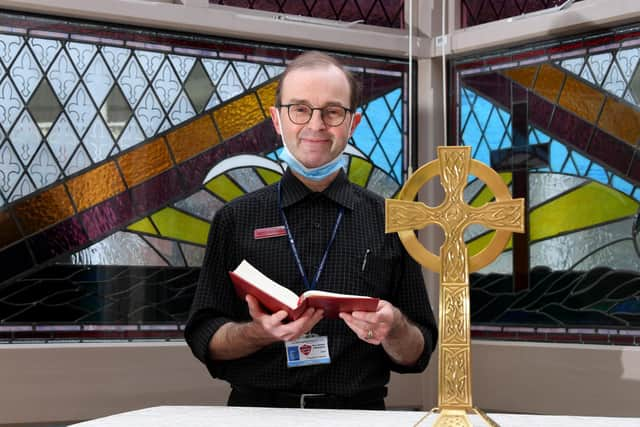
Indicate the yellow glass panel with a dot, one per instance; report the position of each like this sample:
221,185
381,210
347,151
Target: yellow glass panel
224,188
267,95
238,116
145,162
47,208
193,138
523,75
620,120
549,82
586,206
143,226
95,186
175,224
582,99
485,195
474,246
359,171
268,176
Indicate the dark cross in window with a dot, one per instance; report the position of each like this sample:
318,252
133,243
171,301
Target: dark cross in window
518,160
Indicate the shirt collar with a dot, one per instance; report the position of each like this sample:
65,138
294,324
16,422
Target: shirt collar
339,191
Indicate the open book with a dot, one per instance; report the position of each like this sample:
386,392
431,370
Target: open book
274,297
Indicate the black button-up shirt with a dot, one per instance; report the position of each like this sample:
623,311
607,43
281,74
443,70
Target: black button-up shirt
388,273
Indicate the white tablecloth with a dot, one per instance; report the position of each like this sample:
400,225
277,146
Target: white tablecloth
217,416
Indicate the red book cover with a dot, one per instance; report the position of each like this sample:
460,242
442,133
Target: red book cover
274,297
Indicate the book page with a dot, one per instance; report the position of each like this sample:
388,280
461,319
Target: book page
254,276
308,294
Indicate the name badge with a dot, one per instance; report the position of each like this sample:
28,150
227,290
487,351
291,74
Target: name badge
307,350
265,233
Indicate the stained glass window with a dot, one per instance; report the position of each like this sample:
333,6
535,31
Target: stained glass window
561,122
118,145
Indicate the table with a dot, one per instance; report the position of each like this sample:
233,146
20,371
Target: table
220,416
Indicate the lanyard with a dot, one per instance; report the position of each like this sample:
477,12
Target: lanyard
294,249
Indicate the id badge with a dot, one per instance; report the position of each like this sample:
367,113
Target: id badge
307,350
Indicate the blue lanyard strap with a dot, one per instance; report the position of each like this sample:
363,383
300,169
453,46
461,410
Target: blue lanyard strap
294,249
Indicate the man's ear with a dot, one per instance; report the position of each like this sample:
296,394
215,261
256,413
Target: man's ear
275,119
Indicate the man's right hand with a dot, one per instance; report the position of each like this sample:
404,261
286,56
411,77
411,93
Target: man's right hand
272,325
235,340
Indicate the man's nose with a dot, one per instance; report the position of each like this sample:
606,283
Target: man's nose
316,121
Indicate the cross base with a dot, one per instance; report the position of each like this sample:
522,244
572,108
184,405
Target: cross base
459,417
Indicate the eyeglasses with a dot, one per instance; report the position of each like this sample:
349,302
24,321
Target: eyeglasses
332,115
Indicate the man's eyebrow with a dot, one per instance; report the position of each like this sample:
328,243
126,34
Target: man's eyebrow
306,102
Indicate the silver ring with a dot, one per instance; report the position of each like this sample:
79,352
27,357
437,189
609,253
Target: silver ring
369,334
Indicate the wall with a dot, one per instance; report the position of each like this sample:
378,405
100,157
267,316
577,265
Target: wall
71,382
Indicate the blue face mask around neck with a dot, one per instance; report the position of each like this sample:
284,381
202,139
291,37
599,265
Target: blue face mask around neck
315,174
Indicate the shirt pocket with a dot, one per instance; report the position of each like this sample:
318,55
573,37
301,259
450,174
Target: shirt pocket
375,274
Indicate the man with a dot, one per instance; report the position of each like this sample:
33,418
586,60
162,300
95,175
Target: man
326,233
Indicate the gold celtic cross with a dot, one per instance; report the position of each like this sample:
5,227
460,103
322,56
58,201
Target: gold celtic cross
505,215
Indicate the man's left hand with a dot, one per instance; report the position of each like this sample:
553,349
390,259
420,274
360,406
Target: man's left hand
373,327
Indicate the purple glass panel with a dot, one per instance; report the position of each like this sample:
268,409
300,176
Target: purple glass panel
102,219
59,239
374,86
614,153
475,12
539,111
634,170
194,170
14,260
385,13
571,129
492,85
157,192
262,138
518,93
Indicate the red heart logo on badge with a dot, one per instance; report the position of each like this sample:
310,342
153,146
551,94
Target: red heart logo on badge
305,349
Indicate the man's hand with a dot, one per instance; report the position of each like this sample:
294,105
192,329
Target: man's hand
235,340
271,326
400,338
373,327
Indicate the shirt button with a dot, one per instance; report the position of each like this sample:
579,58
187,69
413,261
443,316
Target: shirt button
316,225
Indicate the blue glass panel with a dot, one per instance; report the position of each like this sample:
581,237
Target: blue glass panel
597,173
472,133
379,159
558,156
364,137
378,114
570,167
482,109
494,131
483,154
391,140
582,163
622,184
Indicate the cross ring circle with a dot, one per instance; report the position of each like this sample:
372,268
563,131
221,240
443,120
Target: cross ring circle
423,175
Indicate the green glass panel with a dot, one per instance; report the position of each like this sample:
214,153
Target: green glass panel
176,224
224,188
143,226
268,176
359,171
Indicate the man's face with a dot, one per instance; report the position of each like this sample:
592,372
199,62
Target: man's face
315,144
